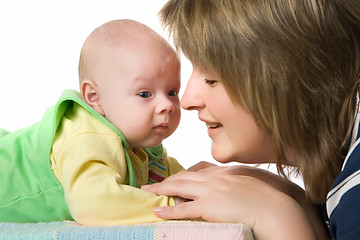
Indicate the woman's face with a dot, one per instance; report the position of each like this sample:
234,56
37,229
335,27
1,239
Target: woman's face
234,132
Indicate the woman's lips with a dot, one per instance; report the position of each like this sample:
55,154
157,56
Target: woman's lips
213,129
213,125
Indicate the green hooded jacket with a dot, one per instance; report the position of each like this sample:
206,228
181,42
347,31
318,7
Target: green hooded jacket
30,191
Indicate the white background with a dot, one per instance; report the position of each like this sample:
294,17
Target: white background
40,45
40,42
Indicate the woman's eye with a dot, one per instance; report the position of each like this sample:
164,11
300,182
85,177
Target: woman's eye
144,94
173,93
209,82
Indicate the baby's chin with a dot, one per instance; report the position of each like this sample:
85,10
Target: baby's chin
150,141
147,144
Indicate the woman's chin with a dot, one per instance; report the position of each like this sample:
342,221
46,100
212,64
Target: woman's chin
221,157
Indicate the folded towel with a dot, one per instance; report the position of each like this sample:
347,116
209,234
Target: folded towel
167,230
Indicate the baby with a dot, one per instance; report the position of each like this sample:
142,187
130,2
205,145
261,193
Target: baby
88,156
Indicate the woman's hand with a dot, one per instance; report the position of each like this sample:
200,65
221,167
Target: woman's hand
201,165
236,194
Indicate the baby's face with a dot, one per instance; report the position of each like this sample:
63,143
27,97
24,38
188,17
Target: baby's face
139,93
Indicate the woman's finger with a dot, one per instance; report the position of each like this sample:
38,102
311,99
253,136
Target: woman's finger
181,211
188,189
189,175
201,165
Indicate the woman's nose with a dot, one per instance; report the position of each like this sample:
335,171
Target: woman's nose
191,99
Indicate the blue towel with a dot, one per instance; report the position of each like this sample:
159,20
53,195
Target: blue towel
106,233
33,231
166,230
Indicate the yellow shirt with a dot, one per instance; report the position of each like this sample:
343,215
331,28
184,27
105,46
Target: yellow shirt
88,159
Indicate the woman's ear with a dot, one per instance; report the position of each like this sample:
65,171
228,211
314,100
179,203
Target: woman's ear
88,91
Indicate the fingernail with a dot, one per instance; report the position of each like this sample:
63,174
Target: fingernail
145,187
157,209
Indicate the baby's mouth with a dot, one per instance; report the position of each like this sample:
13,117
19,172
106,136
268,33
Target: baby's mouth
213,125
162,126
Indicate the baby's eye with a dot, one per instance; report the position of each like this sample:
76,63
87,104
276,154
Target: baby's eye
209,82
173,93
144,94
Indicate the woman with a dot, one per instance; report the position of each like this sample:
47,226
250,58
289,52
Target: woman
275,81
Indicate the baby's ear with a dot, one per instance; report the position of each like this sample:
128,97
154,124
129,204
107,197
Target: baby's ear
88,91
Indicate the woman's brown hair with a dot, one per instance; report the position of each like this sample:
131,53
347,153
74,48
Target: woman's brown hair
294,65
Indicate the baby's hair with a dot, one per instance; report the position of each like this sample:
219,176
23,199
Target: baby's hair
110,34
294,65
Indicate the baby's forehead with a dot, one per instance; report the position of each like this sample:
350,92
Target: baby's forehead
124,33
124,39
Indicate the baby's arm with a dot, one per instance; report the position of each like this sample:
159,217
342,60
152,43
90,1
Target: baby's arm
95,183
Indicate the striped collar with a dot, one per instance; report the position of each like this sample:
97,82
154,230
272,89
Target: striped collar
350,172
355,132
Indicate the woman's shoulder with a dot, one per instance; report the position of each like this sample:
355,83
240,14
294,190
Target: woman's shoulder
343,199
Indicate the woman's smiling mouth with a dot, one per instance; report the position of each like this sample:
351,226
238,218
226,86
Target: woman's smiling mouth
213,125
213,129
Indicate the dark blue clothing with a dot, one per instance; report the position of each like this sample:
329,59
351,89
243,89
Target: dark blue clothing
343,200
